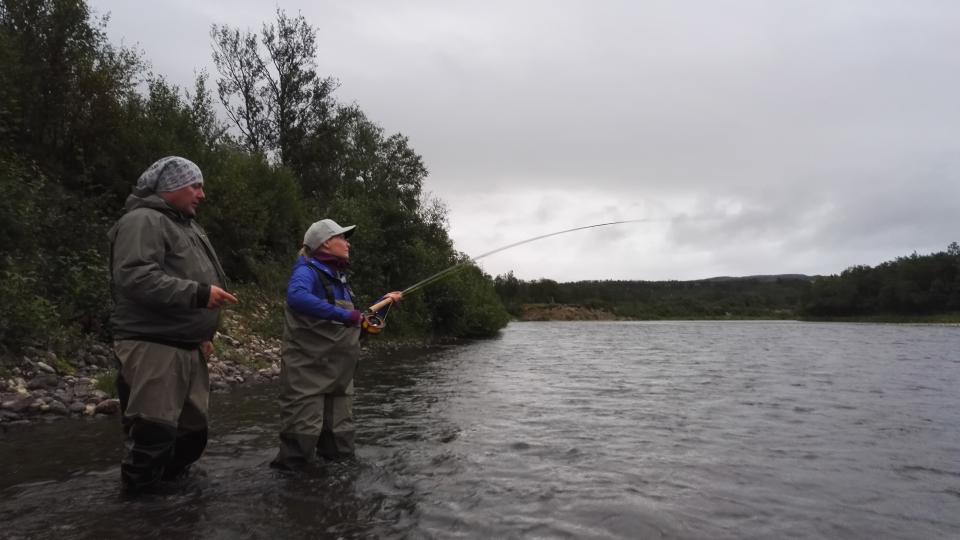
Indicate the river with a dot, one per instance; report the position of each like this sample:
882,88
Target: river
681,430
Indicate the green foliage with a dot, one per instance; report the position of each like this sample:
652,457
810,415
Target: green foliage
254,214
25,315
913,285
22,205
466,305
63,367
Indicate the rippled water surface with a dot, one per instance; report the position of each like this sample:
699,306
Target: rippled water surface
562,430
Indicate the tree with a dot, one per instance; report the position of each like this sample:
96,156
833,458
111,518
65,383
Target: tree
241,77
279,97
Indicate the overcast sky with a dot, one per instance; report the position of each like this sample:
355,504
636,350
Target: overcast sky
754,137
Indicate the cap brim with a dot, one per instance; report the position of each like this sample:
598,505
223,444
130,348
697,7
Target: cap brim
347,231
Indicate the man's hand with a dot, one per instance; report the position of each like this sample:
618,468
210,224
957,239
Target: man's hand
220,297
206,349
395,296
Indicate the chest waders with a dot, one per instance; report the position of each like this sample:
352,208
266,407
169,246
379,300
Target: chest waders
162,379
319,359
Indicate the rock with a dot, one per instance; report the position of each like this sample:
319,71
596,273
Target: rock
58,408
42,366
89,409
16,405
36,405
98,395
43,380
108,406
99,360
77,407
238,379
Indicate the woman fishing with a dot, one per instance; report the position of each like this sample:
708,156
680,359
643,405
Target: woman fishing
321,348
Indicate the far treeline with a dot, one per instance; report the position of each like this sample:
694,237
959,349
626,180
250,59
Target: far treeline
917,287
80,119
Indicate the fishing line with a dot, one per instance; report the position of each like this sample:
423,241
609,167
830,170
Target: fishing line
445,272
376,315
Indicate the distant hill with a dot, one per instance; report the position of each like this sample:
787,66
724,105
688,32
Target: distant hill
772,278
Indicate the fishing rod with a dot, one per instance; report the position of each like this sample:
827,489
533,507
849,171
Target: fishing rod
378,321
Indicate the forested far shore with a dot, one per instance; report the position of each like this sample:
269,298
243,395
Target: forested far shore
911,288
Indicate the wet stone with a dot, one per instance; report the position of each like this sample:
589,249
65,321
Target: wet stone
108,406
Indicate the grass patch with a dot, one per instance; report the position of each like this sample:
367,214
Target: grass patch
107,382
63,367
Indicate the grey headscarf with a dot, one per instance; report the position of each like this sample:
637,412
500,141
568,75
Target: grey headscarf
168,174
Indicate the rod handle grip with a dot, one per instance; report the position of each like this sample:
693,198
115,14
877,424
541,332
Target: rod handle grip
380,305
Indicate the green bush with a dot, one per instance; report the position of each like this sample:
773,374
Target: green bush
25,316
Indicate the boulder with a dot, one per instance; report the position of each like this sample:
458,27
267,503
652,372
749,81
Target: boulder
42,366
58,408
43,380
18,405
108,406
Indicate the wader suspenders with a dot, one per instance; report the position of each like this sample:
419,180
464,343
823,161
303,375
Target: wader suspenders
328,287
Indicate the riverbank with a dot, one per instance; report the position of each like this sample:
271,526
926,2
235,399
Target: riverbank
563,312
44,386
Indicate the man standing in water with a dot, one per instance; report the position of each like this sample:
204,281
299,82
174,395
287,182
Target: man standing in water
167,286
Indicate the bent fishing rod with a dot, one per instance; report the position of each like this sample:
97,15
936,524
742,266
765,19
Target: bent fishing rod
385,303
